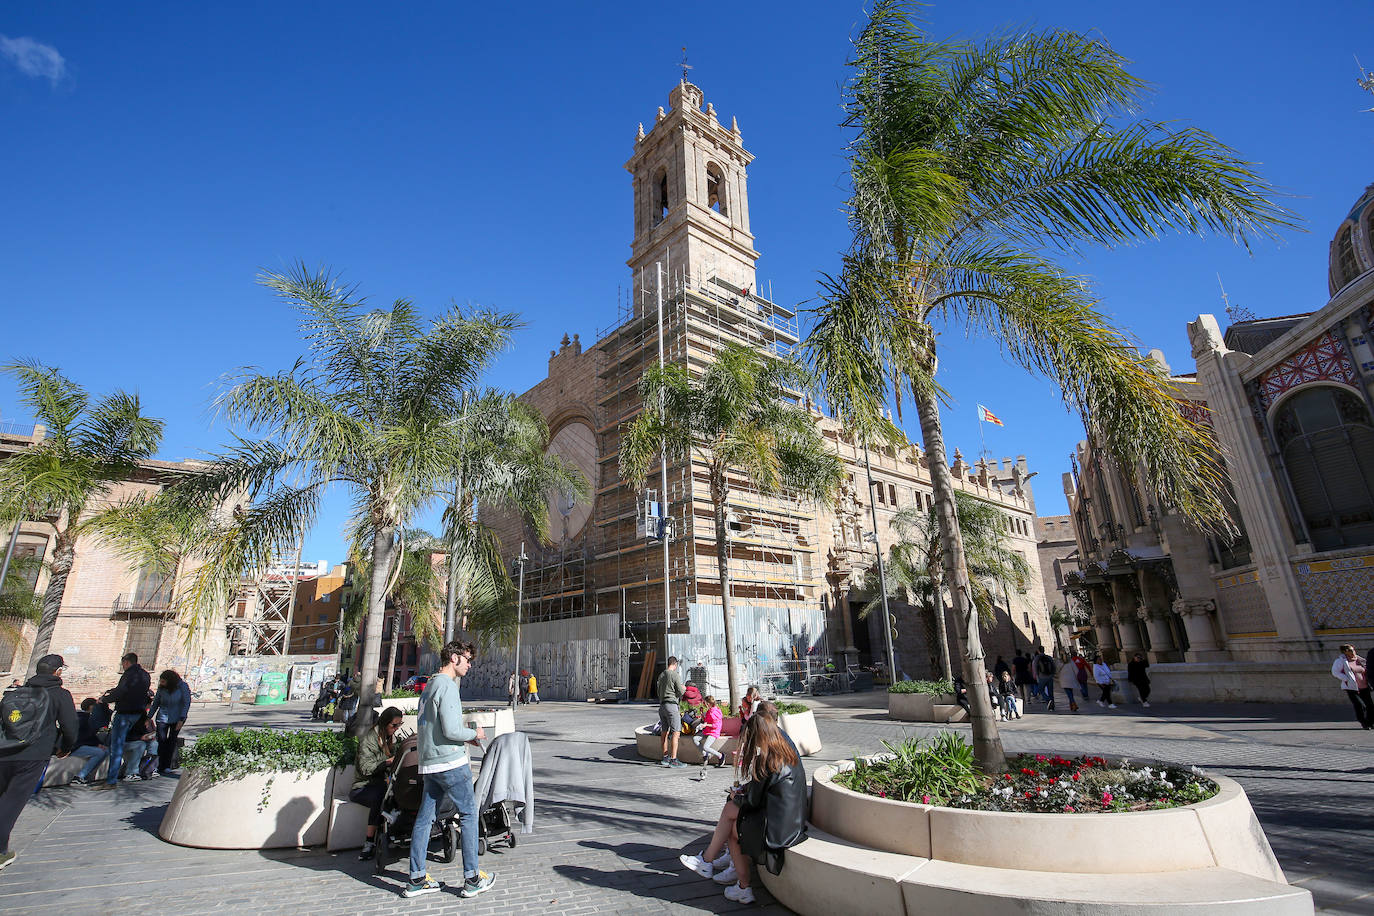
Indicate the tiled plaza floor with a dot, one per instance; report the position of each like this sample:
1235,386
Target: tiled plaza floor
609,827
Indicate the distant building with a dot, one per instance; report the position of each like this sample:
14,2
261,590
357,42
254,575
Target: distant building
1056,550
108,608
595,599
1258,617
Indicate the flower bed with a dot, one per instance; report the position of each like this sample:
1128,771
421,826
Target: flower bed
942,773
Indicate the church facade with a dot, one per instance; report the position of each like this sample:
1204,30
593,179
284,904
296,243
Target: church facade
642,559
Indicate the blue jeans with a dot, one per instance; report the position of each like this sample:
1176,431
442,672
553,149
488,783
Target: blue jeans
119,732
457,785
93,754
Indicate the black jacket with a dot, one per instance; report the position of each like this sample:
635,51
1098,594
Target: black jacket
131,694
86,730
1135,671
61,728
772,815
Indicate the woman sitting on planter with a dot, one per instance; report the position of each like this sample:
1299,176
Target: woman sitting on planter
376,750
748,706
765,815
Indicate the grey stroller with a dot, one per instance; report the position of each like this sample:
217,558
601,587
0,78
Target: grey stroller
505,786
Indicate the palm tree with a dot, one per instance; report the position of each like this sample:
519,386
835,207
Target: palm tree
88,448
374,408
20,605
914,565
739,417
415,589
972,164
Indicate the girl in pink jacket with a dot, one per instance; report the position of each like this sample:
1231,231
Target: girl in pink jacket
708,735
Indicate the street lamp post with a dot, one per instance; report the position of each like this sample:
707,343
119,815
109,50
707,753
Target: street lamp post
882,574
519,606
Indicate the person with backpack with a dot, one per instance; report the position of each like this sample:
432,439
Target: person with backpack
36,721
1044,676
130,698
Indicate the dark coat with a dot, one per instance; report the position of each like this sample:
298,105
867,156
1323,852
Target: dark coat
59,733
131,694
772,815
1135,671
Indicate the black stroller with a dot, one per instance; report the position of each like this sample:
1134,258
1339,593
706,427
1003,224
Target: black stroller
400,805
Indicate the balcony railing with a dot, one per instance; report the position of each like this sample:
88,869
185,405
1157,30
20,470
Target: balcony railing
156,604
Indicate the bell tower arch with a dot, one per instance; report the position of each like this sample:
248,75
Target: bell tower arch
691,197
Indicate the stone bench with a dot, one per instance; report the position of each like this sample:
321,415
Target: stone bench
828,875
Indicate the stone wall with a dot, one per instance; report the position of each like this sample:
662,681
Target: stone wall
1242,682
571,659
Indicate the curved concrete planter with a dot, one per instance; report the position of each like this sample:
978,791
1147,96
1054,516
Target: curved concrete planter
903,858
229,814
408,705
922,707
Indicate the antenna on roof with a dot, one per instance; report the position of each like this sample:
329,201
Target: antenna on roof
1365,81
686,66
1235,313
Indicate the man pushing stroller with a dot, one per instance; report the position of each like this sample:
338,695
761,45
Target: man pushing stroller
443,759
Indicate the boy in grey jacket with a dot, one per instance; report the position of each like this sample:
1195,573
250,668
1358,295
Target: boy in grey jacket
444,767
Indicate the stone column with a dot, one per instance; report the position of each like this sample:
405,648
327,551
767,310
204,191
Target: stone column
1102,621
1123,615
1198,617
1155,611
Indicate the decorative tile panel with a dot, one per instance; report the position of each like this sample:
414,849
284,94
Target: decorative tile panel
1339,594
1241,605
1323,360
1196,411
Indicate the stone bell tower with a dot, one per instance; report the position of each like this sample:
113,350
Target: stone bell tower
691,201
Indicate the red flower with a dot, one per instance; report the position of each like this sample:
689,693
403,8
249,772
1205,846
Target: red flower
925,799
1007,777
882,794
1029,794
1068,808
1106,799
1053,780
1076,777
1041,757
1028,771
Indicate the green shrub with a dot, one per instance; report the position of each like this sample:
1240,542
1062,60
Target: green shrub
932,771
929,688
791,709
400,693
223,753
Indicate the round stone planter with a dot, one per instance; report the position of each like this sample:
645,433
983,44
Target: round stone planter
408,705
1221,831
231,813
922,707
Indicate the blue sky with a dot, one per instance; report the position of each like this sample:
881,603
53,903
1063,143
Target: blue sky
156,156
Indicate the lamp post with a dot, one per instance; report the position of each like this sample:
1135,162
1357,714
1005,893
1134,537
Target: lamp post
519,604
882,575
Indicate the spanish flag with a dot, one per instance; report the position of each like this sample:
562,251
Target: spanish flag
987,416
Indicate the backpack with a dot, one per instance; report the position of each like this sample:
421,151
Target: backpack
1044,666
24,712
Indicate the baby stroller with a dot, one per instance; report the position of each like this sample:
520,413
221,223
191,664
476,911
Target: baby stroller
400,805
506,781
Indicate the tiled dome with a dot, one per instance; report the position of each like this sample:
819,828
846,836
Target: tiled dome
1351,252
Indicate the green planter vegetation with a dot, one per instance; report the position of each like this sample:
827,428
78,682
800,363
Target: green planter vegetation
929,688
224,753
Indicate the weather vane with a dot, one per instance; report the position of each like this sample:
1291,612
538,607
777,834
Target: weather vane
1365,82
686,66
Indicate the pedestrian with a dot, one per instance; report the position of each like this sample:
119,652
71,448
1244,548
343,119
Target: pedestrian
170,709
534,689
39,720
141,742
769,811
524,687
1010,701
1351,671
1136,676
376,753
708,737
510,689
994,695
88,740
998,668
1021,664
130,699
1044,676
443,757
1068,679
1102,675
670,691
961,694
1081,671
749,705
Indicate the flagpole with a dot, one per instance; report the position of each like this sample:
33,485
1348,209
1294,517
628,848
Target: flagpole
981,441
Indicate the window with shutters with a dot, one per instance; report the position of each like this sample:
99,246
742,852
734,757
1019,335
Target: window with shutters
1325,436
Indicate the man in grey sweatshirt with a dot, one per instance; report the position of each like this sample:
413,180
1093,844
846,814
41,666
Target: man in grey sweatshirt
444,767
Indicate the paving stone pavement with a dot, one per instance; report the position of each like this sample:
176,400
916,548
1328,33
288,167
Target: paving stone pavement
609,827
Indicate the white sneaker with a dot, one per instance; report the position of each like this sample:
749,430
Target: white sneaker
722,860
737,894
726,877
1146,704
1111,706
1100,703
697,864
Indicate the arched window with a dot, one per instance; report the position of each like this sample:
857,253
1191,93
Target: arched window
1326,438
660,196
715,189
1347,267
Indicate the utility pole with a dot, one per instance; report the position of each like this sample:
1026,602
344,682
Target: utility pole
449,612
9,554
663,496
882,575
519,607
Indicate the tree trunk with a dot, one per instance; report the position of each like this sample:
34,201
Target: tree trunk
718,494
391,654
941,631
987,742
63,555
383,542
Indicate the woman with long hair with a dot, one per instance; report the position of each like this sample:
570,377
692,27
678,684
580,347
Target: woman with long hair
376,751
766,811
171,706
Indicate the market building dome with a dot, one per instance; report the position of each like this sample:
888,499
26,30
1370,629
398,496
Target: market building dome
1352,252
